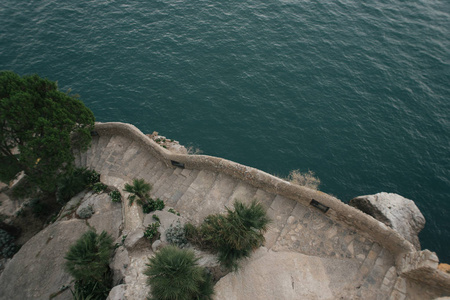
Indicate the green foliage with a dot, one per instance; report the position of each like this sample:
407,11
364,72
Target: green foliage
176,235
38,207
7,246
88,262
86,212
115,196
171,210
93,177
156,218
138,191
152,205
44,125
175,275
151,232
74,182
9,169
99,187
234,235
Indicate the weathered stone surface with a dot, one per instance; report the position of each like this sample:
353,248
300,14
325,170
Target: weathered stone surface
37,270
117,292
166,219
286,275
395,211
119,265
134,237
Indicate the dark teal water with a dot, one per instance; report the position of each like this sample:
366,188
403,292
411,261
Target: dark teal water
356,91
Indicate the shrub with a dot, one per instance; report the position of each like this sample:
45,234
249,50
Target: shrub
72,183
152,205
86,212
88,262
7,246
156,218
176,235
115,196
237,234
174,274
171,210
138,191
99,187
151,231
308,179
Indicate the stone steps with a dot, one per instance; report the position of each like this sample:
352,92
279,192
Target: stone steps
172,194
195,194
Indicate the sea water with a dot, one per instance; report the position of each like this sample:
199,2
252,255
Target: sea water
356,91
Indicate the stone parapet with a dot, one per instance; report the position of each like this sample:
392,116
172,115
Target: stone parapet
378,231
422,266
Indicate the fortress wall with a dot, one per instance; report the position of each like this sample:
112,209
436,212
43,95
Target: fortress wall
338,210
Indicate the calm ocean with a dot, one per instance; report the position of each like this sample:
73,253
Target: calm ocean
356,91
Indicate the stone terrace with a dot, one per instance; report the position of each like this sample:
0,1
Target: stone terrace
295,227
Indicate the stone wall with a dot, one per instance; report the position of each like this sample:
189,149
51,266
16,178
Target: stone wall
338,210
422,266
418,266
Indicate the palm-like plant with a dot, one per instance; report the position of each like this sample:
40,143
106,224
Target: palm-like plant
138,191
175,275
236,234
88,262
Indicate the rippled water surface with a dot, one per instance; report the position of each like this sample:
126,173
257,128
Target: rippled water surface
356,91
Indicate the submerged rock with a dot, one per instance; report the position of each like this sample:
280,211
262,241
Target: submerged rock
395,211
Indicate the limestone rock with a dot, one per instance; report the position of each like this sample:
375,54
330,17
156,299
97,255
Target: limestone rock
134,238
42,258
37,270
166,219
117,292
288,276
119,265
399,213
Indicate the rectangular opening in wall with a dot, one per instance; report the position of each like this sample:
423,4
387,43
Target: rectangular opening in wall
319,205
177,164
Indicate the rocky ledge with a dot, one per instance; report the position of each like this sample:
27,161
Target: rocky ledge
395,211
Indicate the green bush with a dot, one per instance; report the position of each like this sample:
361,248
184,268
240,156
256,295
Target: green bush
99,187
235,235
72,183
88,262
152,205
86,212
151,231
176,235
138,191
171,210
115,196
174,274
7,246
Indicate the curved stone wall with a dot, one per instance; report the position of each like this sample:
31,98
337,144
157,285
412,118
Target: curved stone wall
338,210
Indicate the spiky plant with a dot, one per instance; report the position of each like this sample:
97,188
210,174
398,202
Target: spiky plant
88,263
174,274
235,235
138,191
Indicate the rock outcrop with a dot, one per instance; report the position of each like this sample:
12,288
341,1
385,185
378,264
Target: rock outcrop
395,211
287,275
37,270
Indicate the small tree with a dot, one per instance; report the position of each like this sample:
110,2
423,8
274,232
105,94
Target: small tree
88,262
39,127
138,191
175,275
